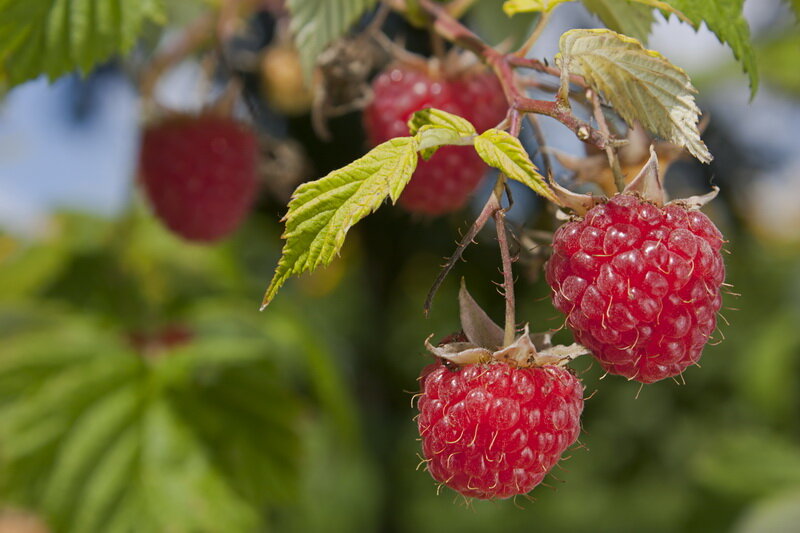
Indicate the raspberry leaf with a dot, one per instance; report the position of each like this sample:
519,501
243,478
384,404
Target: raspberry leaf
724,18
103,441
54,37
503,151
512,7
321,212
640,84
439,128
629,18
437,117
316,23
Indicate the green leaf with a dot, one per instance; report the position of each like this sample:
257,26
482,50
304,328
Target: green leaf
436,117
640,84
99,439
316,23
614,8
795,5
54,37
436,128
322,211
512,7
504,151
773,58
725,19
748,463
624,16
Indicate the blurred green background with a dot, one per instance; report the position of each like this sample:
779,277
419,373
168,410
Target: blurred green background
141,389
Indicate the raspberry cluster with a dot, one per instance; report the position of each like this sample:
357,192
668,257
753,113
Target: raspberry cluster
443,183
494,430
640,285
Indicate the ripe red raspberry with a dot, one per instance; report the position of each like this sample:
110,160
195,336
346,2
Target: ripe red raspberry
199,174
640,285
495,430
443,183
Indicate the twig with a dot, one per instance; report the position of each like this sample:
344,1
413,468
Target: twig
611,152
503,66
488,211
510,329
539,66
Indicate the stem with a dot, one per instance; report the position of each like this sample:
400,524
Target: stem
611,152
487,212
510,330
503,66
544,18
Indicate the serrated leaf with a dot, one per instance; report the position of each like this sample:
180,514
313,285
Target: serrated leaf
640,84
316,23
54,37
436,117
98,440
321,212
512,7
87,440
435,128
503,151
724,18
624,16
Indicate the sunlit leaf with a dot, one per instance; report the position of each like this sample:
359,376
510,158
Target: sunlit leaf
54,37
321,212
640,84
505,152
725,19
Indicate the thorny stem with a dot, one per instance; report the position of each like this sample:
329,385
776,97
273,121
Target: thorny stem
488,211
508,277
510,330
611,152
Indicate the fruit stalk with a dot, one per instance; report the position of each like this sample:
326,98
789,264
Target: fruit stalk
611,152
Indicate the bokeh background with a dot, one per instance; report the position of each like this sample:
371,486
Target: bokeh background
141,389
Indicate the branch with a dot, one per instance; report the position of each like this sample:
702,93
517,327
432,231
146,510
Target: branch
503,66
488,212
510,330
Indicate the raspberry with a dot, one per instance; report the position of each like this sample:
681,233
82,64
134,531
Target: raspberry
199,174
495,430
640,285
443,183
